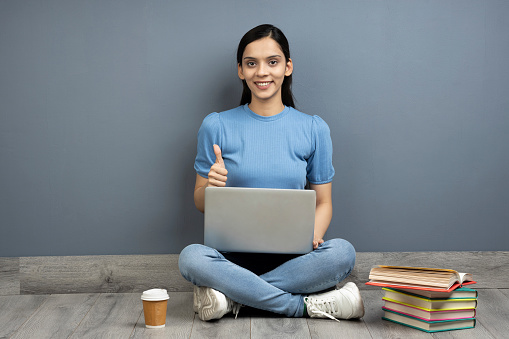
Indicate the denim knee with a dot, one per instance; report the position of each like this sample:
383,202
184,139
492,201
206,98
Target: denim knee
344,256
189,258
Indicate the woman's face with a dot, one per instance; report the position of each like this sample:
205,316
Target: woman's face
264,69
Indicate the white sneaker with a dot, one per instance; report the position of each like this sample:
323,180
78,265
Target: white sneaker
211,304
196,299
345,303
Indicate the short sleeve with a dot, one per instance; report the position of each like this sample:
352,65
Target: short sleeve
319,167
208,135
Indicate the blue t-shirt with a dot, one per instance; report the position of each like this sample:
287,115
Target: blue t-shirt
280,151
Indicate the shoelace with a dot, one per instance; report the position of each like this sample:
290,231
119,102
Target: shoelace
235,307
327,305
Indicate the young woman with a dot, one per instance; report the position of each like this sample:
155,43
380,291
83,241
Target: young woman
266,142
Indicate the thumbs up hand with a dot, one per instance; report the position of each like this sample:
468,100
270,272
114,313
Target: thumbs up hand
218,172
219,157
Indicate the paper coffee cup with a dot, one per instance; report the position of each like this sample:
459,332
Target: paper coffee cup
155,302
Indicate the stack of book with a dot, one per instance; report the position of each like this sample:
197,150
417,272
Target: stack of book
428,299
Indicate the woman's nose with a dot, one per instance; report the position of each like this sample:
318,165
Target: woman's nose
262,70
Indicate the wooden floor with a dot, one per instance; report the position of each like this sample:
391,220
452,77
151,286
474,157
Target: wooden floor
120,315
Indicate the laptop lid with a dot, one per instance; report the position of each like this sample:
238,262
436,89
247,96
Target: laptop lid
259,220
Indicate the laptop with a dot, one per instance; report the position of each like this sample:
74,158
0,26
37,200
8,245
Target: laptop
259,220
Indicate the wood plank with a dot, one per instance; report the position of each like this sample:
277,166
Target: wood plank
504,291
9,276
15,310
489,269
58,317
135,273
179,319
100,274
479,332
29,316
493,311
279,327
113,315
226,327
354,328
379,328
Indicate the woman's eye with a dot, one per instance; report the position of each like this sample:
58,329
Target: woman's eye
250,64
273,62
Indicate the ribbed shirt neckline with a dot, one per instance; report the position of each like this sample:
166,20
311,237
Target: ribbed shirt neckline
271,118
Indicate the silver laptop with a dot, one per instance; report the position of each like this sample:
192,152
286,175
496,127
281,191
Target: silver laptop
259,220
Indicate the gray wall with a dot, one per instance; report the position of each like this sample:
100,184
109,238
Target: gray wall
100,103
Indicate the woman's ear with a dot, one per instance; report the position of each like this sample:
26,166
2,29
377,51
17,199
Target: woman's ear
289,67
241,74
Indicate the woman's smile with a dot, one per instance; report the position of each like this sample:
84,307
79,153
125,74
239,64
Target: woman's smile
263,85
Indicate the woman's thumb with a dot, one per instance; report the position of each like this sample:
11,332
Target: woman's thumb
219,157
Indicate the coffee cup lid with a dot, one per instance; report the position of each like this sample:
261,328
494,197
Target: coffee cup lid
155,294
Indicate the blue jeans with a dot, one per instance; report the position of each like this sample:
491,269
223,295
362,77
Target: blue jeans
280,290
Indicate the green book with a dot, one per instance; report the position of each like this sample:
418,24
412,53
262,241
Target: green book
428,326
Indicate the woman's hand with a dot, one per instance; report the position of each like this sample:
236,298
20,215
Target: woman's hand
218,172
316,243
216,178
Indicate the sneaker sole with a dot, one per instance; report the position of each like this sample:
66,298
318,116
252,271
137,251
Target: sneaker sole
196,299
207,304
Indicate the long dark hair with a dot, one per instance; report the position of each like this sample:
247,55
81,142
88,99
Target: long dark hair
275,33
